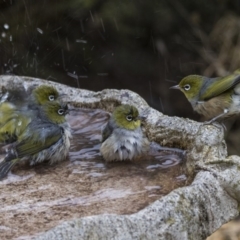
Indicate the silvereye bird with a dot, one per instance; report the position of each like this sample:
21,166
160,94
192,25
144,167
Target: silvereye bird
15,116
42,94
45,138
122,137
214,98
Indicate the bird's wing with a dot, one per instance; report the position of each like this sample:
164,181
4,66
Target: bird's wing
219,86
13,127
32,142
107,131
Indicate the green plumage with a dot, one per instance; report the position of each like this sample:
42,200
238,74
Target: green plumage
217,86
122,137
125,116
43,94
15,116
214,98
41,138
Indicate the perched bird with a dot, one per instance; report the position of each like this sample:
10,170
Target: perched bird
122,137
15,115
45,138
214,98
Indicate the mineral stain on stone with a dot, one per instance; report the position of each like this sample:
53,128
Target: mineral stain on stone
35,199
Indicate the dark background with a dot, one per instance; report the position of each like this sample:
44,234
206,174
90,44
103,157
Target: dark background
145,46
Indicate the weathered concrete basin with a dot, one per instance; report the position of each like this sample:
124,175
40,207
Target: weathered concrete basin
191,212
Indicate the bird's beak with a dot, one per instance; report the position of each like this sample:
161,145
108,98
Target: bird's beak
62,95
70,110
175,87
142,118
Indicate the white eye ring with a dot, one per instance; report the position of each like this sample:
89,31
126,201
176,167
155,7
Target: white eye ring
187,87
60,111
51,98
129,118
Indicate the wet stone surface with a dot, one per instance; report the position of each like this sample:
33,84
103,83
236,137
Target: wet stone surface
35,199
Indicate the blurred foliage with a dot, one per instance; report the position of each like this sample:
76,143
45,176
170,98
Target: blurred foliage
144,46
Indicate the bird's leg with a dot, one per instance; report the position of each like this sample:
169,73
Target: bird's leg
217,117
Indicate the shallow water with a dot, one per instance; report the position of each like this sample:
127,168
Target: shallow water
35,199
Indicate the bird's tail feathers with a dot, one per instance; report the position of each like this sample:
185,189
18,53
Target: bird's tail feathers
5,167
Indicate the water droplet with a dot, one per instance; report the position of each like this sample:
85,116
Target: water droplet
6,26
81,41
40,30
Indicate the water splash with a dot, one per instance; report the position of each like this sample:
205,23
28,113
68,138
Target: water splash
12,178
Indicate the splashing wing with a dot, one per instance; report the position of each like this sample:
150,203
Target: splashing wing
5,167
106,132
43,138
25,148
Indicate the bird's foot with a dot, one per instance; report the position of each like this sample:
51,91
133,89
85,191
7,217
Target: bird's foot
216,124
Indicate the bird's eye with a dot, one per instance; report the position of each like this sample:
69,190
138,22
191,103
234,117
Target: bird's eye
51,98
60,111
187,87
129,118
